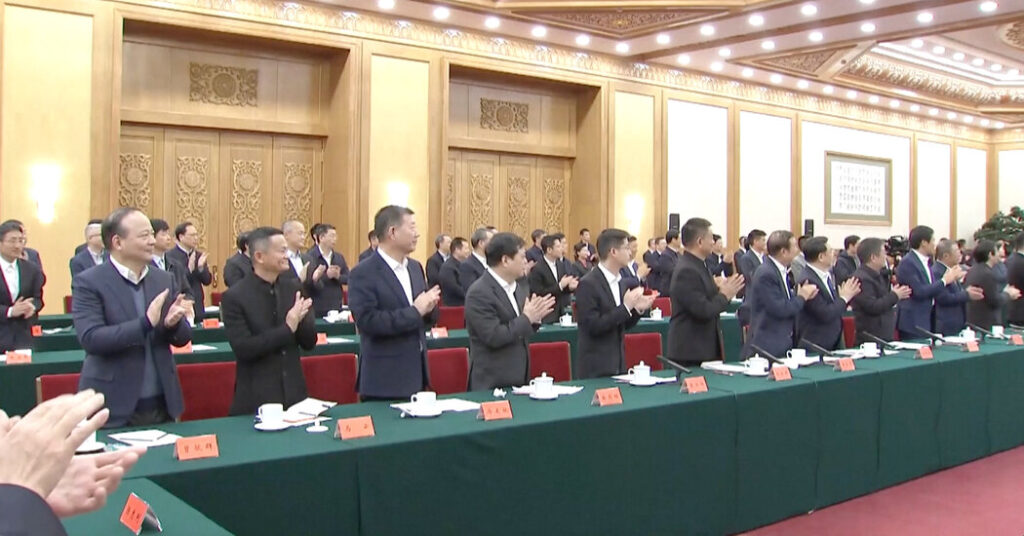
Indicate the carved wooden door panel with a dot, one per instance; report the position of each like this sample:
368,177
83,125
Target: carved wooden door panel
298,183
478,192
516,199
140,181
551,211
246,167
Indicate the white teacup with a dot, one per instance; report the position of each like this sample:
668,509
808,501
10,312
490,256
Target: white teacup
758,363
565,320
424,398
656,313
869,348
968,334
333,313
346,316
640,372
798,353
997,331
270,412
543,385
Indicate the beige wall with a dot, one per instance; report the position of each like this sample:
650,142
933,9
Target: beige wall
634,175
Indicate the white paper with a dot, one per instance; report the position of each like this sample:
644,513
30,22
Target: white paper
337,340
202,347
56,330
794,362
212,309
146,438
628,378
900,345
560,390
447,404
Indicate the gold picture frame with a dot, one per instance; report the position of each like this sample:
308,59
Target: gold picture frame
864,201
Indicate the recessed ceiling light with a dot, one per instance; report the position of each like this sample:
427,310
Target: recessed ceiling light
803,84
988,7
386,4
815,36
917,43
851,94
828,90
996,67
663,39
747,72
441,13
978,62
717,66
768,45
867,27
938,50
539,31
951,115
724,52
707,30
1013,72
776,78
925,17
492,22
873,99
894,103
756,20
582,40
968,119
809,10
867,2
683,59
983,122
933,111
622,48
915,107
999,124
959,56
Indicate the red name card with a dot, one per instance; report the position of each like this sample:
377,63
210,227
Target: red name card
355,427
187,349
18,358
695,385
925,352
845,364
972,346
495,411
439,333
607,397
321,338
781,373
37,330
1016,340
196,447
134,513
211,323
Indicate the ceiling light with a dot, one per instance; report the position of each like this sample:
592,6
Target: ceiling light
1013,72
809,10
959,56
707,30
828,90
717,66
747,72
988,7
996,67
978,62
776,78
968,119
951,115
756,20
724,52
582,40
894,103
867,2
867,27
622,48
925,17
683,59
539,31
663,39
917,43
873,99
386,4
999,124
815,36
768,45
984,122
933,111
939,50
915,108
803,84
441,13
851,94
492,22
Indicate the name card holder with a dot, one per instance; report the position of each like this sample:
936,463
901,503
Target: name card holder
971,347
607,397
780,373
137,513
196,447
495,411
355,428
925,352
18,358
321,338
211,323
694,385
1016,340
439,333
845,364
187,349
37,330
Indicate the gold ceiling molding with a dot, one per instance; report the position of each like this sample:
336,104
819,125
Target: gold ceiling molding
1013,34
620,22
1015,135
804,63
369,25
877,69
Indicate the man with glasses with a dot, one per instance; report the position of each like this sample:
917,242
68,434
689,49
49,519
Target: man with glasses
22,294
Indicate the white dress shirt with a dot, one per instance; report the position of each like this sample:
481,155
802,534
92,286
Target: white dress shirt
481,258
97,258
327,255
613,283
924,262
295,258
825,277
783,270
551,264
401,270
160,262
509,288
127,272
13,279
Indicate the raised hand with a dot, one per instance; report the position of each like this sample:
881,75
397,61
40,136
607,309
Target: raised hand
89,480
807,291
903,291
849,289
952,275
975,293
535,308
427,300
177,311
298,310
1012,291
318,273
156,307
203,259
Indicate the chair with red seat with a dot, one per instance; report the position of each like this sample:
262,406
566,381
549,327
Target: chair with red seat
215,298
452,317
67,305
665,304
552,358
207,389
448,369
53,385
331,377
644,347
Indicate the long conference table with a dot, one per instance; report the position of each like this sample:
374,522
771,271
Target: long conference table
745,454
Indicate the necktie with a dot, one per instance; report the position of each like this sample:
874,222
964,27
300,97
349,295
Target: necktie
790,284
831,286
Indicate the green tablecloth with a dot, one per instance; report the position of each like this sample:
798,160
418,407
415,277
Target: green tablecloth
748,453
176,517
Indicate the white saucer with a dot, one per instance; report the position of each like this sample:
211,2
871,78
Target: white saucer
424,411
651,380
754,372
89,448
535,396
272,426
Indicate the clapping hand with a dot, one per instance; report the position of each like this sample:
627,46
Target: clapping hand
427,300
903,291
535,308
297,312
178,309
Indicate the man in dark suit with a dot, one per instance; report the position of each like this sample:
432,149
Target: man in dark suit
28,253
501,315
651,252
667,262
747,264
267,320
915,271
774,306
585,242
821,320
652,259
606,308
718,263
1015,278
874,308
21,296
633,273
126,319
83,245
476,264
238,265
549,278
739,253
847,261
92,254
442,250
987,312
295,236
392,307
327,291
694,335
162,243
187,254
536,252
951,303
452,292
371,249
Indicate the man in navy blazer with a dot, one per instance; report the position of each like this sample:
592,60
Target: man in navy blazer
821,320
915,272
633,273
667,262
92,254
476,264
21,291
442,250
392,307
127,319
951,303
197,269
536,252
774,306
747,265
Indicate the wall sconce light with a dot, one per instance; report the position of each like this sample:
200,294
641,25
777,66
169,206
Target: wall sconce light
45,185
634,205
398,193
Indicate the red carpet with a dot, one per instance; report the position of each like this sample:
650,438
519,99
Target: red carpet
985,497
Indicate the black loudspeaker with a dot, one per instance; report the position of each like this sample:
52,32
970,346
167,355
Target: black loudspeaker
673,221
808,227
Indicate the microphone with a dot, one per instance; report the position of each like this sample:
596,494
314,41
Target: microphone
884,343
981,330
931,335
1016,327
767,354
673,364
823,352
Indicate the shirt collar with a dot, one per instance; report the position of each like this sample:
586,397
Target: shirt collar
294,254
480,258
823,274
924,260
782,269
759,255
505,285
392,263
187,252
612,278
127,273
8,265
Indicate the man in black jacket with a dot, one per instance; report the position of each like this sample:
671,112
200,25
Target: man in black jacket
452,292
821,320
267,320
549,278
874,309
238,265
846,263
442,247
1015,278
326,291
476,264
187,254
